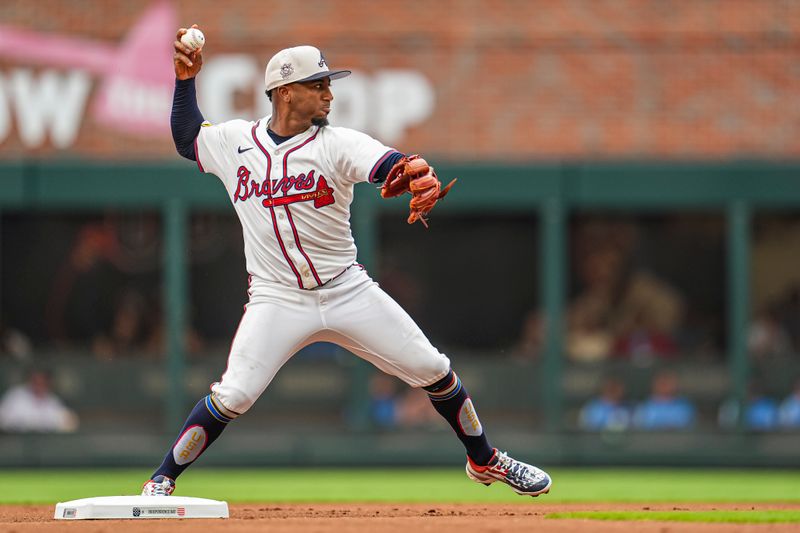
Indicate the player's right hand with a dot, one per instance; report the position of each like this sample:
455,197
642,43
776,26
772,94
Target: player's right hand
188,62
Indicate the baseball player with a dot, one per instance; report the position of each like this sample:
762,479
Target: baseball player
290,178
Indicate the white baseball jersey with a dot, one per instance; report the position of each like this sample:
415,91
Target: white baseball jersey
293,199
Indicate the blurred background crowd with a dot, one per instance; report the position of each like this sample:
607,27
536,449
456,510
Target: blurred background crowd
92,289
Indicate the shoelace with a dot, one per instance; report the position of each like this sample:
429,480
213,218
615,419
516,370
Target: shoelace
518,471
160,489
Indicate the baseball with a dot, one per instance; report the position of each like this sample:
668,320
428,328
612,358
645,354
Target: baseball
193,38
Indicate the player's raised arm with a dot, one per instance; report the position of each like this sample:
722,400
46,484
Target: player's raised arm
186,119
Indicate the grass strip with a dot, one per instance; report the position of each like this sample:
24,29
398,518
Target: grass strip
429,485
731,517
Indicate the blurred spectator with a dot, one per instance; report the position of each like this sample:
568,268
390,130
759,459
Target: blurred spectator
105,295
79,307
589,336
767,337
137,328
643,341
102,296
14,343
589,316
760,413
620,309
608,411
647,301
775,278
649,313
665,408
131,330
391,407
193,341
789,410
33,407
531,339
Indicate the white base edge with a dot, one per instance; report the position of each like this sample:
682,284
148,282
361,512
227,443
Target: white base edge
140,508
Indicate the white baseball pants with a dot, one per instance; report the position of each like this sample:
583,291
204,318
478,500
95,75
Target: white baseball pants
350,310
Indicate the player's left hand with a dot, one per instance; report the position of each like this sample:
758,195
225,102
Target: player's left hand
413,175
187,62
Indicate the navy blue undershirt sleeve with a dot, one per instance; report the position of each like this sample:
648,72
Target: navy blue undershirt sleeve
186,118
386,166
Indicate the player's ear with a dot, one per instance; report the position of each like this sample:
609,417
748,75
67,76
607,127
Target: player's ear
285,93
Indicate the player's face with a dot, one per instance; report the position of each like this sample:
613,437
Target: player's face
312,99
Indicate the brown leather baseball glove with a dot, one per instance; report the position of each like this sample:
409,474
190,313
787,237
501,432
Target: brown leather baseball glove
413,175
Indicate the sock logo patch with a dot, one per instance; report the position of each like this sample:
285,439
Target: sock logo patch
468,419
189,445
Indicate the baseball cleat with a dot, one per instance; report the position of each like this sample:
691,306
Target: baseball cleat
525,479
158,486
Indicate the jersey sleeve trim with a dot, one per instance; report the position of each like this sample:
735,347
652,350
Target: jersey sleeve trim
197,155
378,164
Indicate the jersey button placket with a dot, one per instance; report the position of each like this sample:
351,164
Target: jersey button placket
291,248
288,238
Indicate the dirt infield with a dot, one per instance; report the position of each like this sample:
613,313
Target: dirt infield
406,518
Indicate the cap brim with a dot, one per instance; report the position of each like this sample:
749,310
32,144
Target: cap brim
332,74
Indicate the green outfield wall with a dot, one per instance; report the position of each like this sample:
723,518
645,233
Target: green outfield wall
544,389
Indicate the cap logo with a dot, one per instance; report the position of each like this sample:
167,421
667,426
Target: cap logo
286,70
322,62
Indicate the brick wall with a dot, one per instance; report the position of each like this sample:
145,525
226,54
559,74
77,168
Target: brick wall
513,79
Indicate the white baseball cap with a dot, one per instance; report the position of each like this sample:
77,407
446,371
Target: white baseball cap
299,63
